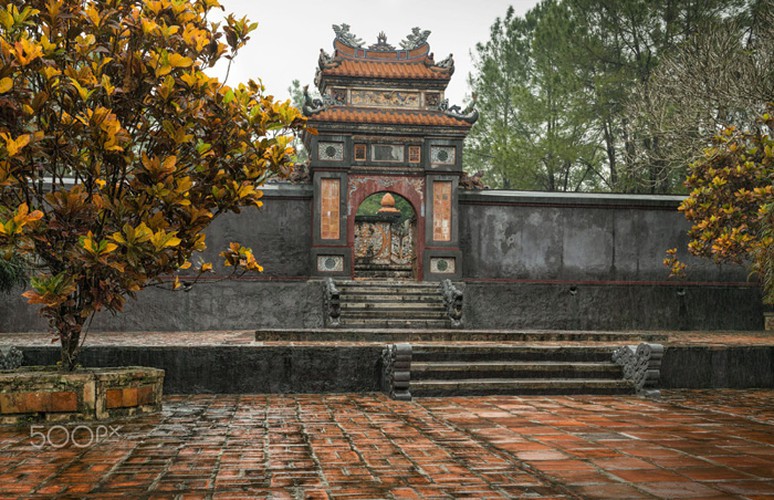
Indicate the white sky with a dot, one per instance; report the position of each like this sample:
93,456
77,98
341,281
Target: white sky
290,34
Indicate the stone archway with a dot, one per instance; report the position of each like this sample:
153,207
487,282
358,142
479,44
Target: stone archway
385,237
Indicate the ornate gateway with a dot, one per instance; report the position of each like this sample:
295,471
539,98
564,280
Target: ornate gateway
384,125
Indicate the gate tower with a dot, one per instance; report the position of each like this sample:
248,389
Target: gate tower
384,125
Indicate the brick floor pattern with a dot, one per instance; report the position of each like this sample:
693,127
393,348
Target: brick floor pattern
690,444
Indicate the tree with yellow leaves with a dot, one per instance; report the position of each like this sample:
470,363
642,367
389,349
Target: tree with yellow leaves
117,150
731,203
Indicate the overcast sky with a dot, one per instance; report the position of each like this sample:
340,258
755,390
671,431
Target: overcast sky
291,33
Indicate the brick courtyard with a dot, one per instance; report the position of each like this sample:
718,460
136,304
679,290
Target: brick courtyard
691,444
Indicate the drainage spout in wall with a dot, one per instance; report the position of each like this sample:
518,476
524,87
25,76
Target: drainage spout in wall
682,311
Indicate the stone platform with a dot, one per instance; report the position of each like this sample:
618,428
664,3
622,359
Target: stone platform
234,362
450,335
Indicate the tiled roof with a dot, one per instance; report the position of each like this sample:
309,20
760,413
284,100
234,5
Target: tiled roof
387,117
374,69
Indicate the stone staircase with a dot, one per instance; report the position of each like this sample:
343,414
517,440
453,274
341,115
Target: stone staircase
460,370
391,304
383,271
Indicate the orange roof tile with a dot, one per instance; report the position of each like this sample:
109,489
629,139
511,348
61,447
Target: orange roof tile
378,69
391,117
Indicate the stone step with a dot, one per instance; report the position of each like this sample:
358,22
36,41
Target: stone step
383,335
387,283
384,274
513,353
388,290
393,314
448,370
390,298
393,323
388,307
495,386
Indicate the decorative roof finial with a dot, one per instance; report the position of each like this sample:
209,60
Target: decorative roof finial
381,44
415,39
343,34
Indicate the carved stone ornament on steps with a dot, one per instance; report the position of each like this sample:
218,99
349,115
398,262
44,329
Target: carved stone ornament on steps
396,371
642,366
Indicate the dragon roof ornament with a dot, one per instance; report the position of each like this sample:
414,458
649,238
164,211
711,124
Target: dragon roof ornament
469,114
343,35
415,39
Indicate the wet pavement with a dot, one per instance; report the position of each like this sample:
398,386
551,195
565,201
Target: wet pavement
689,444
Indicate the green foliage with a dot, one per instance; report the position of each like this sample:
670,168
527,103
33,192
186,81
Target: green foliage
117,150
12,274
373,204
552,89
531,133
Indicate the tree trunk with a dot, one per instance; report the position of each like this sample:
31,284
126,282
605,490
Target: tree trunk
68,322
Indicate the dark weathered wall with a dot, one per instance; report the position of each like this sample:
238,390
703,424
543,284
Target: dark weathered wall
611,307
314,369
557,236
229,305
241,369
582,261
704,367
522,254
278,233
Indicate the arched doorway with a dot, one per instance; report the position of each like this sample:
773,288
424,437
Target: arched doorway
385,237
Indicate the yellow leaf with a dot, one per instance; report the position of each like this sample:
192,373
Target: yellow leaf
50,72
207,266
13,146
88,243
93,14
169,163
186,265
100,182
6,84
178,61
27,51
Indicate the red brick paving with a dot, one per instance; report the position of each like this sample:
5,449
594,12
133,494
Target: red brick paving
691,444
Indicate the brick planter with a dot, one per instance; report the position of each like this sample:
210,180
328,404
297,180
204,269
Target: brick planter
44,393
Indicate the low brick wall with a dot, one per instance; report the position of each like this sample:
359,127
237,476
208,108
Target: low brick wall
44,393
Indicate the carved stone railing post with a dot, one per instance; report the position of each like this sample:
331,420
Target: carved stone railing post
332,303
10,358
396,371
642,366
452,298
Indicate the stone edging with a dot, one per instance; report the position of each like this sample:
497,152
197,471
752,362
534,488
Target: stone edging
44,393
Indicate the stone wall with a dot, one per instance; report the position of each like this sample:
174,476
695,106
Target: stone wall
530,260
583,261
281,296
559,236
